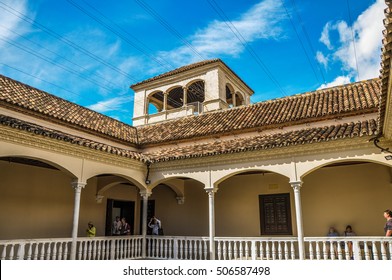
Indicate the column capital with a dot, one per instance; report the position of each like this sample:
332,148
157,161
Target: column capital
180,199
76,185
211,189
296,185
99,198
145,193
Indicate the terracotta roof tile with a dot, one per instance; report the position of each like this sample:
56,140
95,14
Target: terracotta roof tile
48,106
300,137
76,140
352,99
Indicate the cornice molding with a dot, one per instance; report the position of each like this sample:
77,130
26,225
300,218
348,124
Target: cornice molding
340,145
27,139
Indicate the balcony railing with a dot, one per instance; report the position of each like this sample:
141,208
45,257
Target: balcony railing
197,248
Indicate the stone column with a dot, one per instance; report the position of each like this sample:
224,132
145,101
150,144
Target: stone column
77,186
165,94
185,96
145,194
211,207
298,214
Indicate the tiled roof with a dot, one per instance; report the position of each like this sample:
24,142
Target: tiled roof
279,140
28,99
386,51
76,140
357,98
187,68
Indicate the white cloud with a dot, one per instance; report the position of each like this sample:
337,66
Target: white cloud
365,55
325,36
10,23
322,59
341,80
259,22
113,104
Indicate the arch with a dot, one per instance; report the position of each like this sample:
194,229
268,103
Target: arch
175,96
155,99
312,169
239,99
261,170
229,90
134,181
32,160
196,91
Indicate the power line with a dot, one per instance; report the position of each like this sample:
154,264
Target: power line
55,85
64,40
140,49
165,24
299,39
353,38
307,37
242,40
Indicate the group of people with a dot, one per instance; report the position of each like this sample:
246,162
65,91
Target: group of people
349,232
121,227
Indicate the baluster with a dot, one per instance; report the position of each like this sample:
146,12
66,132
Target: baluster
35,251
390,249
29,251
241,250
166,248
325,251
340,255
267,250
246,243
191,249
48,251
224,250
180,249
11,256
219,250
375,251
65,253
54,251
273,250
311,252
261,249
4,252
42,252
230,251
99,248
186,256
292,250
206,249
20,253
383,251
161,241
280,255
253,249
235,250
286,250
200,249
366,249
60,251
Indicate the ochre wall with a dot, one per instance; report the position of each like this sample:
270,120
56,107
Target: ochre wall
38,202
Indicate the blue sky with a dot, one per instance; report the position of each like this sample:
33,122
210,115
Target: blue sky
91,51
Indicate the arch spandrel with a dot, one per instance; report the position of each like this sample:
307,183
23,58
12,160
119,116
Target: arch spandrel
306,168
219,177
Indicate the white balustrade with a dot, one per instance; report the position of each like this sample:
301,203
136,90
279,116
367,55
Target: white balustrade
197,248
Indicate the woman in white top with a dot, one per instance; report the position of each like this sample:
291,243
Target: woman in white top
155,225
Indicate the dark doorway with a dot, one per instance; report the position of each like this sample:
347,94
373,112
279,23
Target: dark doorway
150,214
275,214
121,208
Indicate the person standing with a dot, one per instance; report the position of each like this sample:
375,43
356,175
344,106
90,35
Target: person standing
91,230
388,224
155,225
349,232
116,227
125,227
